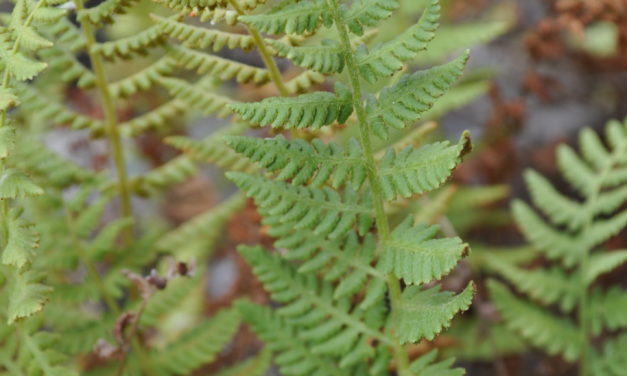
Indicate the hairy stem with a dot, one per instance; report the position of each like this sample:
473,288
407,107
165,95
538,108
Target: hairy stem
266,56
383,227
132,335
111,123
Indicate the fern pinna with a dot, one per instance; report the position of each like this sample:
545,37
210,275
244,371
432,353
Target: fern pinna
338,259
572,233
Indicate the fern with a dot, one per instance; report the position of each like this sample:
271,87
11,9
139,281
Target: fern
588,222
321,201
308,110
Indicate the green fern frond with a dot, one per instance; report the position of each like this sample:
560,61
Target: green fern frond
38,355
16,184
600,264
197,96
104,12
168,174
37,160
218,67
426,365
201,38
255,366
424,313
312,111
27,295
612,361
216,15
607,310
158,119
54,112
414,171
299,18
331,326
67,66
293,357
323,211
555,244
214,150
368,13
304,82
21,242
550,286
137,44
326,57
200,345
163,301
541,328
412,96
302,162
66,33
414,255
388,58
144,79
207,226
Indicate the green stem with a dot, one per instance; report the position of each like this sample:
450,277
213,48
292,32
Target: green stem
266,56
383,227
111,122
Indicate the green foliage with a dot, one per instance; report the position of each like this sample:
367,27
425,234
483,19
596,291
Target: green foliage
571,232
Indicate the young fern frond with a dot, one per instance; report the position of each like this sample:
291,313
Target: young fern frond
569,235
201,38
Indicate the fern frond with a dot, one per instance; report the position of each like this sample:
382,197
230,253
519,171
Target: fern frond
426,365
214,150
549,287
330,325
104,12
217,16
37,160
312,111
207,226
15,184
346,261
326,57
414,255
613,360
157,119
323,211
299,18
607,309
168,174
201,38
137,44
302,162
200,345
294,358
388,58
218,67
368,13
27,295
304,82
67,66
412,96
255,366
54,112
21,242
557,245
197,96
38,355
424,313
414,171
600,264
538,326
144,79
